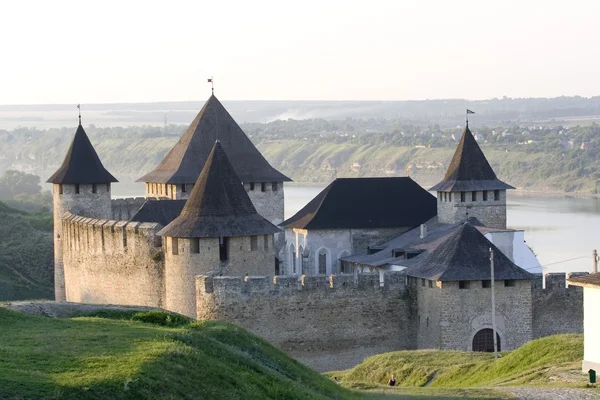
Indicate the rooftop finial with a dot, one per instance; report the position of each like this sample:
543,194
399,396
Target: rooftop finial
469,112
212,84
79,108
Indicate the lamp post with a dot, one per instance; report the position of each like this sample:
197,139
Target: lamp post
493,304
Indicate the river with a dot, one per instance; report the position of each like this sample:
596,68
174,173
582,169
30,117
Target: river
556,228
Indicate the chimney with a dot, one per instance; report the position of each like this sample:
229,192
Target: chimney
423,231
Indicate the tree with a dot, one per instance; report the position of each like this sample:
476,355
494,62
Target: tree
13,183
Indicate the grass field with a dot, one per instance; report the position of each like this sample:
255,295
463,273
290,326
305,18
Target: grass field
91,358
538,362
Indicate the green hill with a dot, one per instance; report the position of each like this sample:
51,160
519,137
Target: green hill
26,255
538,362
130,358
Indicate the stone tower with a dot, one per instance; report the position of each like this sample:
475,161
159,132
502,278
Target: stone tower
470,187
175,176
218,232
81,185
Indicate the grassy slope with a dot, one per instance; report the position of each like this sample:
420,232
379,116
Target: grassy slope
124,359
26,256
535,362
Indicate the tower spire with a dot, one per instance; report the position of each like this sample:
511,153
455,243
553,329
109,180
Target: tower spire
79,110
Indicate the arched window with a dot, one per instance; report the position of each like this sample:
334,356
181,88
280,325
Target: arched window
322,261
301,267
484,340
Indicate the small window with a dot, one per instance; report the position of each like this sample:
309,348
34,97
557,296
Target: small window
274,186
485,195
510,283
427,322
497,195
263,187
423,282
430,284
463,284
77,188
94,188
486,284
183,188
462,197
450,196
266,239
473,196
108,187
223,248
251,185
195,246
174,246
253,242
60,189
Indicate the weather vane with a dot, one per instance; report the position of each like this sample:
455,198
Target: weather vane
212,84
469,112
79,109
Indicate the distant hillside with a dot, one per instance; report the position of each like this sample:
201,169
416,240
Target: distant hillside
26,255
147,355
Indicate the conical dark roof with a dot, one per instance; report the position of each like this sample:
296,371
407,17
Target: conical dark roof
465,256
218,205
469,169
185,160
81,165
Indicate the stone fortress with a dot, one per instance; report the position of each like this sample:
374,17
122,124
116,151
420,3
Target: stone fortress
370,265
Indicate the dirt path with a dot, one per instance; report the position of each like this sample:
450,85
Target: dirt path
554,393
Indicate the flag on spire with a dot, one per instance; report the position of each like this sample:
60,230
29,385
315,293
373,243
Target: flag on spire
470,112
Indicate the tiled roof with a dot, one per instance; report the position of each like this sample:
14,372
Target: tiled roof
465,256
218,206
185,160
469,169
81,164
366,203
591,280
160,211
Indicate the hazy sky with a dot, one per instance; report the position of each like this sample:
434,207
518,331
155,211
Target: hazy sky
139,51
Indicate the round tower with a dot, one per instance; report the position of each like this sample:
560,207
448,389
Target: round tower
82,186
218,232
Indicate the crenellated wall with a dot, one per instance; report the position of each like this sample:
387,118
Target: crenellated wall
328,322
108,261
490,212
556,308
124,209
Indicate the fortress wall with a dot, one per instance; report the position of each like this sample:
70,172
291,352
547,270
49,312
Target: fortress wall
107,261
491,213
187,261
466,311
327,322
557,308
124,209
269,204
427,317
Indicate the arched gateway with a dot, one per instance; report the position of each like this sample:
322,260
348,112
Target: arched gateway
484,341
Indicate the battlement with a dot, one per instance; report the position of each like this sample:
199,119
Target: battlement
289,284
124,209
554,281
81,233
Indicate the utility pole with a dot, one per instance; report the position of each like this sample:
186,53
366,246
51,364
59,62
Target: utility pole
595,257
493,304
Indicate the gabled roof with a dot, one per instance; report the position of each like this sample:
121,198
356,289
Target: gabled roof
469,169
465,256
185,160
81,164
160,211
218,205
366,203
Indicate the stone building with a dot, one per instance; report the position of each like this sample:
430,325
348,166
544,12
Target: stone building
347,217
81,184
470,187
202,244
